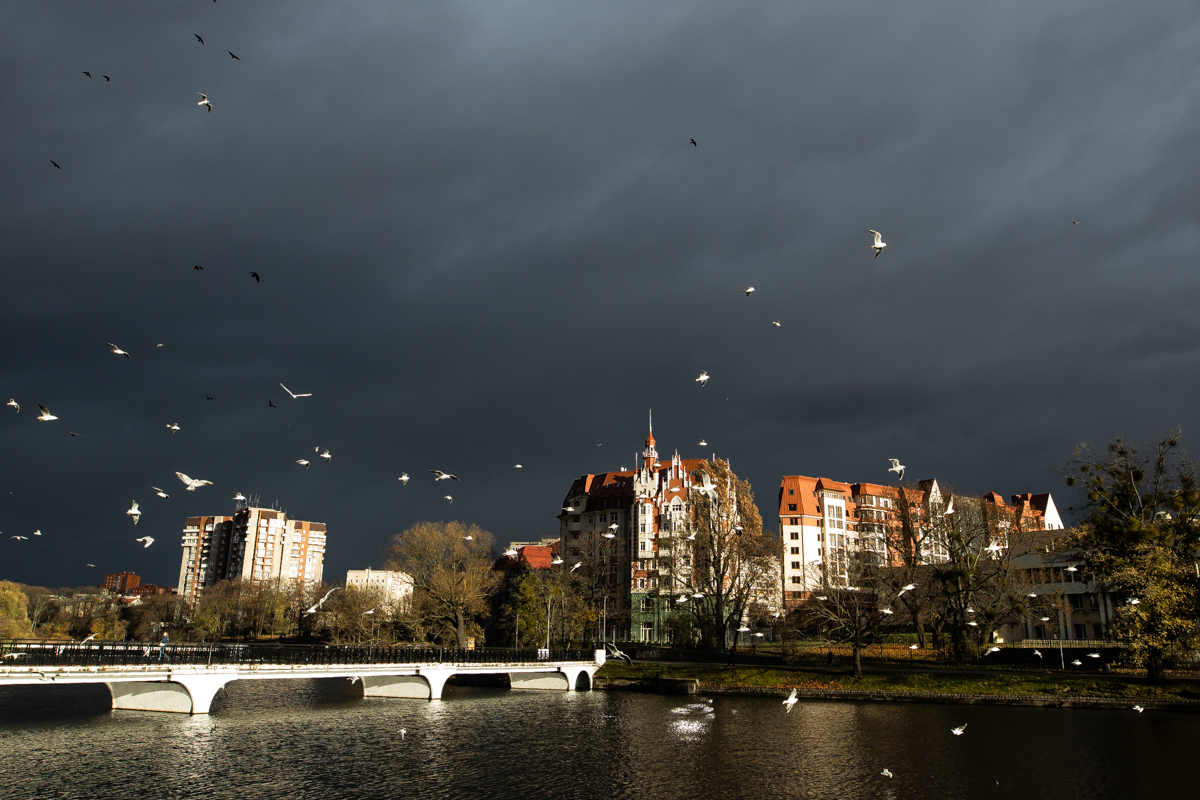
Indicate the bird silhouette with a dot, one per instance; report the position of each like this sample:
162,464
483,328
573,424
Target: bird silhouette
55,163
207,397
73,433
270,404
198,268
235,58
694,143
201,41
88,74
255,276
106,77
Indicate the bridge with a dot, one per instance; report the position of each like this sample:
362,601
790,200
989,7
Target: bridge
184,678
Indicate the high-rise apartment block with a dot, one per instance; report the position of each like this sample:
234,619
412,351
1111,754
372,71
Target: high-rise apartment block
254,544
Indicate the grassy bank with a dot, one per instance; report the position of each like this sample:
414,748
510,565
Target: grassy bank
988,682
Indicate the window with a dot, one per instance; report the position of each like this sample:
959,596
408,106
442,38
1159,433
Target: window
603,518
574,534
641,545
577,518
641,583
791,491
795,551
795,565
795,535
591,519
1080,631
795,579
791,506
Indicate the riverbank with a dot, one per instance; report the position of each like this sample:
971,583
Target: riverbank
984,688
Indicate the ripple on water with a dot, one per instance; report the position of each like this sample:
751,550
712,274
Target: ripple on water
321,739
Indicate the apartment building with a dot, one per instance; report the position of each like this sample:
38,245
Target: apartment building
395,586
254,544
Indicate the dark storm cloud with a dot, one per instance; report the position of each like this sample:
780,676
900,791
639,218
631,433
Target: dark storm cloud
484,239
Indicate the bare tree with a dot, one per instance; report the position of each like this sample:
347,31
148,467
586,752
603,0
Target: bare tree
851,613
451,567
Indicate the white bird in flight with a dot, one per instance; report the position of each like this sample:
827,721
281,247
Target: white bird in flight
146,541
1138,709
133,512
448,497
302,462
403,478
707,488
116,351
204,101
14,404
949,508
749,290
468,538
442,476
896,467
88,639
702,443
517,466
887,773
776,324
320,602
45,416
791,701
161,493
992,650
511,552
887,611
173,428
1037,653
557,561
1077,663
192,483
294,395
38,532
703,379
576,566
239,498
18,538
907,588
879,243
960,731
326,455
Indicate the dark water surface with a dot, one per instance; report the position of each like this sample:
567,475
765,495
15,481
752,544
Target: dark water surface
321,739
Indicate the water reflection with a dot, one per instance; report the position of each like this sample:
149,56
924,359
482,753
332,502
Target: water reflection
310,739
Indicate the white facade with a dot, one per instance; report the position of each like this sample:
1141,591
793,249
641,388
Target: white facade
396,586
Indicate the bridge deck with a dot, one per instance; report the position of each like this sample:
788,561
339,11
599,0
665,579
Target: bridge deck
185,677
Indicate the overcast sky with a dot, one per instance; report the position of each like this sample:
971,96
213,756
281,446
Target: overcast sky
485,239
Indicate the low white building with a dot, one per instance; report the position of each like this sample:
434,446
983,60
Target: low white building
396,586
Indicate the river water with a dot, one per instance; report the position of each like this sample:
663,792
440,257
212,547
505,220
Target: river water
321,739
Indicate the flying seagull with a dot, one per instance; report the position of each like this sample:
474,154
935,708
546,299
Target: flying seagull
89,565
949,508
791,701
208,397
116,351
38,532
14,404
403,478
133,512
327,455
749,290
198,268
294,395
313,610
776,324
45,416
255,276
517,466
960,731
239,498
18,538
1138,709
302,462
72,434
192,483
703,379
146,541
906,588
510,552
88,74
702,443
201,41
55,163
991,650
235,58
613,652
694,143
173,427
88,639
468,538
442,476
879,243
449,498
1037,653
204,101
270,404
896,467
106,78
1077,663
161,493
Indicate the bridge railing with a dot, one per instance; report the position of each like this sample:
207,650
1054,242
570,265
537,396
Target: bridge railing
122,654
